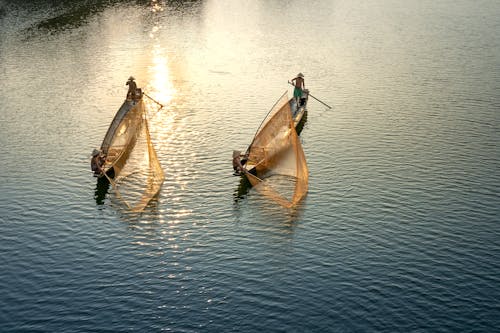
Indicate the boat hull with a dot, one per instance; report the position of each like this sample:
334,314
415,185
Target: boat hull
119,140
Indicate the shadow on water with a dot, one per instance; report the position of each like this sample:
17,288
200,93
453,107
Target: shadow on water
101,189
242,190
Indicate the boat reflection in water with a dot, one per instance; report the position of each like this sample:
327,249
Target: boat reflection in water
101,189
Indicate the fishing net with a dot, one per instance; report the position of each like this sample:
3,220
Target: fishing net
138,175
280,169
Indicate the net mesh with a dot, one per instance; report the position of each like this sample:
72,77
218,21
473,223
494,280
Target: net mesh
276,154
138,173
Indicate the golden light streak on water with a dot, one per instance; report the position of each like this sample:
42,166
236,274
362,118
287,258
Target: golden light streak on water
162,88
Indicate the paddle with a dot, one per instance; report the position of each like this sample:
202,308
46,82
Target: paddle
328,106
151,98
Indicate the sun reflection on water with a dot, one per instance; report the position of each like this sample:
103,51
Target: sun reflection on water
161,86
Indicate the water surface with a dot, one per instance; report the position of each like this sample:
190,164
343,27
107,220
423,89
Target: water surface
400,228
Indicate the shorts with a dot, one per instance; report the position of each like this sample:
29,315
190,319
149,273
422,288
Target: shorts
297,92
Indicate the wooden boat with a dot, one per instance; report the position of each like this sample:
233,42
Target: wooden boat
127,158
275,163
298,111
120,138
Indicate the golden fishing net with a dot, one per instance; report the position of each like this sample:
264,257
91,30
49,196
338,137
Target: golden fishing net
280,163
138,173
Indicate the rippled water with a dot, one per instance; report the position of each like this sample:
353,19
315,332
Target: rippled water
400,228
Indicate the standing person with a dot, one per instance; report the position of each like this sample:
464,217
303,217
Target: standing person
132,87
300,85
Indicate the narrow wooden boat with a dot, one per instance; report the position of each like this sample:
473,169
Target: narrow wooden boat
120,138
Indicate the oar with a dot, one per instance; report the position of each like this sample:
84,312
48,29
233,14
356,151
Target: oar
151,98
328,106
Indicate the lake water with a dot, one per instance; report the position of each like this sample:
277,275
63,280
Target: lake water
400,229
